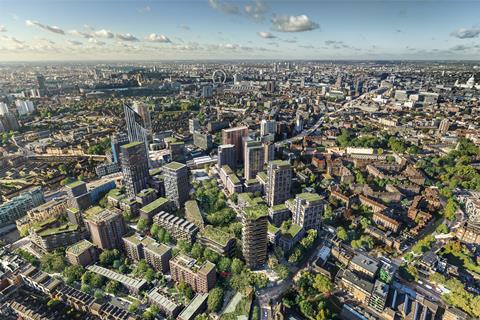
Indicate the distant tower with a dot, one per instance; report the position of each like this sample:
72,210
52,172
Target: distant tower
271,86
177,185
116,141
135,126
279,182
254,159
338,83
444,126
227,156
134,167
41,84
235,136
143,110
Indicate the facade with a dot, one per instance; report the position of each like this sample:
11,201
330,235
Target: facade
133,285
161,204
78,193
82,253
201,278
18,206
167,306
179,228
235,136
227,156
203,141
193,125
254,159
217,240
135,126
51,234
359,288
279,182
278,214
106,227
143,111
155,254
254,235
307,209
385,221
177,184
134,161
116,141
268,127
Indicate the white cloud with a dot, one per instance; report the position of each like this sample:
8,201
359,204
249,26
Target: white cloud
82,34
126,37
74,43
153,37
45,27
13,39
293,23
466,33
256,10
103,34
97,42
3,29
225,7
266,35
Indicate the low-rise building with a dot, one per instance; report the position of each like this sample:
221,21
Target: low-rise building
167,306
201,278
217,240
179,228
82,253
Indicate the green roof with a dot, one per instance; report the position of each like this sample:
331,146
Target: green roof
146,192
73,210
252,181
281,163
309,196
132,144
192,210
227,169
75,184
155,171
174,165
234,178
169,139
255,212
262,175
293,230
216,235
279,207
93,211
272,228
115,193
79,247
154,205
61,229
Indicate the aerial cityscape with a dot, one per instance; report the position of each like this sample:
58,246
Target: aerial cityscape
250,160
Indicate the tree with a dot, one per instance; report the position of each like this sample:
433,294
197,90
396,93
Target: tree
53,262
149,275
260,280
185,290
112,287
215,299
154,230
342,233
142,224
442,228
197,251
450,209
134,306
98,294
107,257
73,273
211,256
322,284
97,280
306,308
237,266
224,264
282,271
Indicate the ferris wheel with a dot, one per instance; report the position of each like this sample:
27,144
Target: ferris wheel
219,76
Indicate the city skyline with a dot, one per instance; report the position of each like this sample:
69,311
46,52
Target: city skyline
258,29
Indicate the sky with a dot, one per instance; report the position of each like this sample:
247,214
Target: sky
62,30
